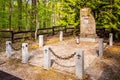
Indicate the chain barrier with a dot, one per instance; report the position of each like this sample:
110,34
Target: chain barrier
63,58
63,65
16,49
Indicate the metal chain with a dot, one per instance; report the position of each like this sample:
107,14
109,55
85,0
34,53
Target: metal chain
63,58
16,49
63,65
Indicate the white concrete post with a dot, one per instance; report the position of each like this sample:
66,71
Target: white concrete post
79,64
47,58
24,52
101,47
8,49
77,40
110,39
61,36
41,41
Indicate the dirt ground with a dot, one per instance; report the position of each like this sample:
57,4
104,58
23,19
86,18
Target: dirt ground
107,67
104,68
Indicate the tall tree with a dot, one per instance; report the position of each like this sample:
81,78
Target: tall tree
37,21
19,14
10,14
53,14
3,13
33,15
26,10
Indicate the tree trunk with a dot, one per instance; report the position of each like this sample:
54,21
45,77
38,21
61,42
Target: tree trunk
44,21
37,21
10,13
33,15
3,14
53,14
19,14
26,7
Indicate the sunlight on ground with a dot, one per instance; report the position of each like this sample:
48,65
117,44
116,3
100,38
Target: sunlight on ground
33,47
115,49
53,75
52,41
14,63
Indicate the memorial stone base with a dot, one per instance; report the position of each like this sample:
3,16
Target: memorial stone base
89,39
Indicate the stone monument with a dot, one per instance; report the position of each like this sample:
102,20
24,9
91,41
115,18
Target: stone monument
87,25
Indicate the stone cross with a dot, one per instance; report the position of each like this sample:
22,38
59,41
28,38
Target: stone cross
101,47
41,41
8,49
79,71
24,52
110,39
61,35
47,58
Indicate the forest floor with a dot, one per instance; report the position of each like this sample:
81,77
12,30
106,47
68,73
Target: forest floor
104,68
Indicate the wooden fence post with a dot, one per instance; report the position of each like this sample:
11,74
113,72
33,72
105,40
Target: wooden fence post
12,36
53,31
65,29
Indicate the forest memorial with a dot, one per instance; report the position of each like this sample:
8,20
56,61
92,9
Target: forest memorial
87,25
